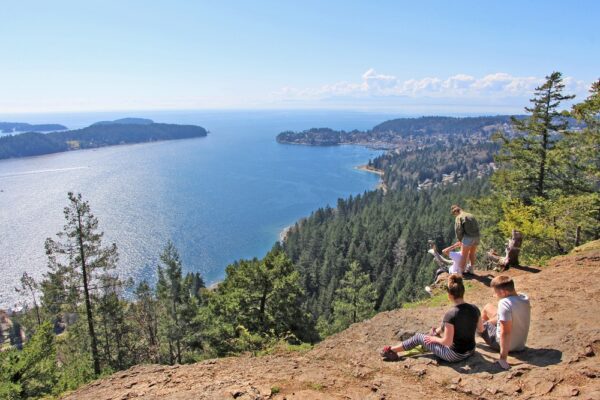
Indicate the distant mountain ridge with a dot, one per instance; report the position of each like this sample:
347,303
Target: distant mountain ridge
126,121
106,133
8,127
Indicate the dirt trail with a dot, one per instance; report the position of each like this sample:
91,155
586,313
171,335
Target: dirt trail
562,359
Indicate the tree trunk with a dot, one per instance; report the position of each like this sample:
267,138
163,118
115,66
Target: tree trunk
577,235
263,305
88,305
545,134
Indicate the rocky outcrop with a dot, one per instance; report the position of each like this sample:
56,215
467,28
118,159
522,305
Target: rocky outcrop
11,332
562,359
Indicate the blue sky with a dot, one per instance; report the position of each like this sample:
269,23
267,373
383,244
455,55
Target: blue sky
417,56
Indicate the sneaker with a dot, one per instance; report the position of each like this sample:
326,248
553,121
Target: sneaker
429,290
388,354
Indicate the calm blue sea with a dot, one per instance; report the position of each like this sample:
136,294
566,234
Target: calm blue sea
219,198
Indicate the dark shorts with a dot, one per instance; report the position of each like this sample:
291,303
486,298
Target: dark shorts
489,335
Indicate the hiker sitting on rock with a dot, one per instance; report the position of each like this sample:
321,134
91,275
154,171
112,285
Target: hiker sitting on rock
467,232
506,326
455,339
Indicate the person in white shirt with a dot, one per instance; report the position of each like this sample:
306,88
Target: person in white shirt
453,264
505,327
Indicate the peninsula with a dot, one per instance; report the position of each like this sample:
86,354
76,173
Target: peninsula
105,133
403,132
16,127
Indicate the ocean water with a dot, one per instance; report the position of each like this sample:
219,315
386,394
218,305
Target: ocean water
219,198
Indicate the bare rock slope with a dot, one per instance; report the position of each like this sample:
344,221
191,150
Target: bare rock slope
562,359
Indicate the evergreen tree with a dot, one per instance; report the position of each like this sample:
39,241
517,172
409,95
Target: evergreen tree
548,182
170,292
178,299
30,287
354,299
31,372
258,300
75,260
528,164
146,315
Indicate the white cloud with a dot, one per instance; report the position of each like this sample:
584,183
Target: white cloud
499,85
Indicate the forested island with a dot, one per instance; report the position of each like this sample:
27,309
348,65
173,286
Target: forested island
403,132
105,133
10,127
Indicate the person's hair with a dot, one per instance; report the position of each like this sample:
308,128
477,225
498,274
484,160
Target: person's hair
455,208
455,286
503,282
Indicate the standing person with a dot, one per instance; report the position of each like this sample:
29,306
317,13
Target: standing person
505,327
467,232
455,339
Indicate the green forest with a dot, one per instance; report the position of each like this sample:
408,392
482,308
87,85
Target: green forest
97,135
335,267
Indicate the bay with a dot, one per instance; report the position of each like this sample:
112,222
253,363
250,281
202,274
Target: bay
219,198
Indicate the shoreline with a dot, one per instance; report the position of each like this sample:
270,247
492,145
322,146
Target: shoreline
381,185
373,170
284,233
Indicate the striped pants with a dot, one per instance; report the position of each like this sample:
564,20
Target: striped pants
443,352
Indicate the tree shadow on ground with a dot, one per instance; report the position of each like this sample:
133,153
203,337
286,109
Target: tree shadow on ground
527,269
484,279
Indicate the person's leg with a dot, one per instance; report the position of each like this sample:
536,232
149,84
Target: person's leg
490,313
473,256
443,352
488,334
464,253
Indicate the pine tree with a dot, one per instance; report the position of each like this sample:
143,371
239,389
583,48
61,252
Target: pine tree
75,260
30,287
354,299
146,315
528,163
31,372
170,292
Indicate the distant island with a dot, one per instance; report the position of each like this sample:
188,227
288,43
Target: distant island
126,121
11,127
105,133
402,132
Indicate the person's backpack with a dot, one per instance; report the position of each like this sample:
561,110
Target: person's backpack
469,225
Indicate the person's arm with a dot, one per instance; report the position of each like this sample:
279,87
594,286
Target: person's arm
480,324
505,331
446,338
436,330
458,228
448,249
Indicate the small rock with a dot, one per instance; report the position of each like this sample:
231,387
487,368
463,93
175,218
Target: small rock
589,351
544,388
